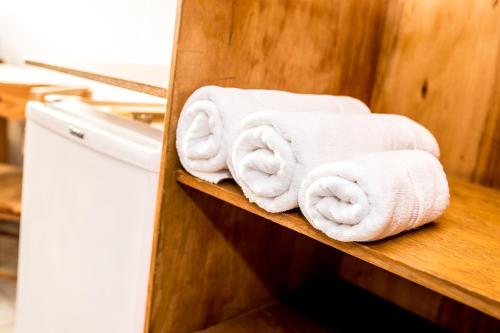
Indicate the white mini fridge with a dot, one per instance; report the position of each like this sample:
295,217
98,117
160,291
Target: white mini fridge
89,195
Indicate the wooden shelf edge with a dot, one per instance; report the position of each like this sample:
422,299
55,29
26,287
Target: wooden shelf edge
115,81
230,193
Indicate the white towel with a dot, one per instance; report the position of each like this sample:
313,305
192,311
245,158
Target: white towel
375,196
208,122
274,151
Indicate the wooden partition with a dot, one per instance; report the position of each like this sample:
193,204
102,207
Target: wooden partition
216,256
440,65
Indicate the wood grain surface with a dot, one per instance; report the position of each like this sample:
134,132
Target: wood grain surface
291,45
434,61
440,65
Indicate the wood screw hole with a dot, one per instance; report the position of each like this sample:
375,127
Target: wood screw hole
424,89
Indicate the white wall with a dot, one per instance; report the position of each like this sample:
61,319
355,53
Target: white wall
119,31
87,31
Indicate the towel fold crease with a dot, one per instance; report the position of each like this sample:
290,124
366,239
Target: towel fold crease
274,151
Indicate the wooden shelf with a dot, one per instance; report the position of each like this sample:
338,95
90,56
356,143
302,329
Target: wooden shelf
148,79
457,257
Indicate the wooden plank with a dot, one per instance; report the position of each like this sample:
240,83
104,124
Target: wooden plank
151,80
457,257
439,64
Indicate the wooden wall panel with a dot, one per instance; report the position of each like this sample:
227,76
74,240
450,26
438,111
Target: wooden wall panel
221,261
303,46
437,62
487,169
214,261
439,65
404,293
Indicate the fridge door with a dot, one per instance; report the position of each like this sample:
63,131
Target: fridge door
86,226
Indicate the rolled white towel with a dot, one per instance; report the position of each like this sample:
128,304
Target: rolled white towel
375,196
274,151
208,122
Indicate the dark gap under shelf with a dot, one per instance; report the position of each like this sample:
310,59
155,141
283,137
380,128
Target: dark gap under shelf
342,309
456,257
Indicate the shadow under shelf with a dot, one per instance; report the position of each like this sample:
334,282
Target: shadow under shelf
315,312
459,256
